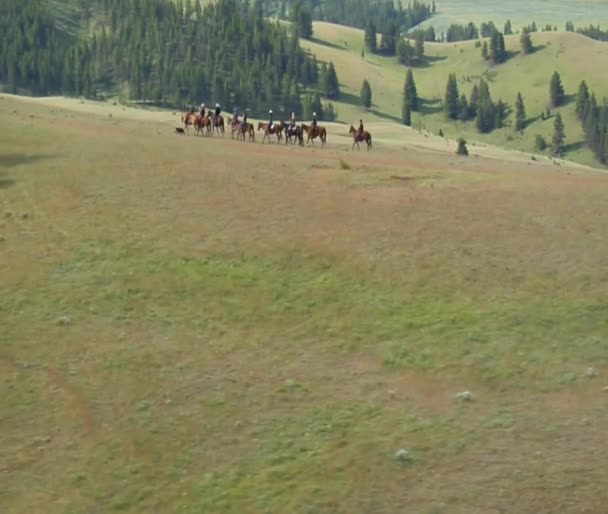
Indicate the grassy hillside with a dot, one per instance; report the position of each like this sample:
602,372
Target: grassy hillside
520,12
198,326
574,56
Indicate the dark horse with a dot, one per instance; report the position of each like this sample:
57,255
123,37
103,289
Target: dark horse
357,138
293,135
243,129
313,133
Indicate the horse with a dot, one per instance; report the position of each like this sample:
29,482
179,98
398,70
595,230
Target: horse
218,124
366,136
188,119
245,128
291,136
277,129
235,126
202,125
313,133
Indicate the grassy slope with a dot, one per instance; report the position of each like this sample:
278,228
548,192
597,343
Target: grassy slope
573,55
262,333
520,12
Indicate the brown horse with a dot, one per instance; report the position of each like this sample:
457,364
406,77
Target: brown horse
218,124
357,138
314,132
188,119
204,125
235,126
277,129
245,128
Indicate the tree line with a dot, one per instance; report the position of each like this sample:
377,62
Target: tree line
385,14
391,23
171,53
594,120
592,31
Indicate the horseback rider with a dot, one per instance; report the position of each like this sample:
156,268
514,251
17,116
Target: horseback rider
218,111
202,111
360,130
292,123
314,122
270,122
244,124
235,117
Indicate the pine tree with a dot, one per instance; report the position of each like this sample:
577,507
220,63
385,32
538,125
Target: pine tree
498,53
581,99
301,20
520,113
322,78
410,92
486,118
370,36
406,114
540,143
332,84
462,147
366,94
488,29
591,121
464,113
556,90
508,30
451,106
317,105
526,42
388,40
502,52
474,101
305,24
405,52
410,99
500,114
557,141
419,46
307,107
484,51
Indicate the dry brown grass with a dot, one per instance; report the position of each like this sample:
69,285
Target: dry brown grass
255,329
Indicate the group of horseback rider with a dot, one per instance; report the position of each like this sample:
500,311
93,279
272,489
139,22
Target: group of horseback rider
204,111
292,119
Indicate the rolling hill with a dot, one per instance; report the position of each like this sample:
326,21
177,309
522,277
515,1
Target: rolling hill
521,12
574,56
196,325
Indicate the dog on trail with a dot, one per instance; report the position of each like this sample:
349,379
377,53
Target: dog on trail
180,131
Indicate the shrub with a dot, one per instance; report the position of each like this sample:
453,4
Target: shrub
462,147
540,143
